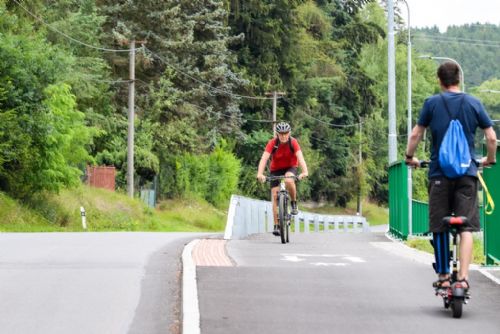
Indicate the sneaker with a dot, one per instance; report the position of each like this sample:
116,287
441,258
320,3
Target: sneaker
295,211
276,230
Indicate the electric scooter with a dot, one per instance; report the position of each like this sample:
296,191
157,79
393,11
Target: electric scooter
456,295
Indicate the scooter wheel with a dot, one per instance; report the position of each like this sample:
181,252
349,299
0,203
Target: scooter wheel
456,308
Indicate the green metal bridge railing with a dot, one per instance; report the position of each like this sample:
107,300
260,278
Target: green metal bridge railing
399,225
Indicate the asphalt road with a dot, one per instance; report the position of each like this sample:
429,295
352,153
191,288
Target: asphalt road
333,283
90,283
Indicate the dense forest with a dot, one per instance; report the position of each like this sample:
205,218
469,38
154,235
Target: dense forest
476,47
204,71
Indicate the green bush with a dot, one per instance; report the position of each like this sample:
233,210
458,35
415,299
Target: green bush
213,177
224,170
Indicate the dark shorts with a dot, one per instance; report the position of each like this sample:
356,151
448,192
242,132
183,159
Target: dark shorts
459,196
281,172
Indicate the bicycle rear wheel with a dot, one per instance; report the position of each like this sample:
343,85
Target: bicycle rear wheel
282,217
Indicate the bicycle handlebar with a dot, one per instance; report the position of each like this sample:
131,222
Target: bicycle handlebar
425,163
280,177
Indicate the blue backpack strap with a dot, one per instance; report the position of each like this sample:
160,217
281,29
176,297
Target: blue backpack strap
448,109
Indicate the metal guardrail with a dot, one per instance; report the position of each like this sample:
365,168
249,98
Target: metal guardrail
248,216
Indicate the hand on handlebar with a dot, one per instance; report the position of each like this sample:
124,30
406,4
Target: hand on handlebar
302,176
261,178
413,162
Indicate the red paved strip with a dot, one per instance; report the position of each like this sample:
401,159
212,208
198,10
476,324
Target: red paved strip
211,252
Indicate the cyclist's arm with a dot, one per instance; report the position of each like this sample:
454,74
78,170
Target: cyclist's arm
263,162
491,145
302,164
415,138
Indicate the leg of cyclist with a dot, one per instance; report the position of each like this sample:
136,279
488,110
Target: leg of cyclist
466,246
466,204
274,200
292,189
440,190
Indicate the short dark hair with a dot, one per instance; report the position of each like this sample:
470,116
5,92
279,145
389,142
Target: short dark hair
449,74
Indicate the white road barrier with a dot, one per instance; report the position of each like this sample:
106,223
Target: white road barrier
248,216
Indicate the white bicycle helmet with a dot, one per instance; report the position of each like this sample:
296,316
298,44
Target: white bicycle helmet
283,127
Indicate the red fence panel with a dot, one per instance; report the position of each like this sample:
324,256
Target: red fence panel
101,177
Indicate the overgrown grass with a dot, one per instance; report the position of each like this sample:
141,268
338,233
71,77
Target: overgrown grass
114,211
375,214
106,211
424,245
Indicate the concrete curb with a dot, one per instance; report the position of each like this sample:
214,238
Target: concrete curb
190,308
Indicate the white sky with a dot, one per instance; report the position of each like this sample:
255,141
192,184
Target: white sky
451,12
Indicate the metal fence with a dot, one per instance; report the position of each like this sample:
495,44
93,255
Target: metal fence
248,216
398,200
399,210
492,222
101,177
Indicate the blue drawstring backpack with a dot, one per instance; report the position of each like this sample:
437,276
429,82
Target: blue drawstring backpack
454,153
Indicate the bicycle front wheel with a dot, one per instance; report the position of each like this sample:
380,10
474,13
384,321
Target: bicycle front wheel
282,217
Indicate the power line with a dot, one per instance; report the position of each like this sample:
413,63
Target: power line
153,53
229,115
437,39
451,38
108,81
331,144
222,91
324,122
68,36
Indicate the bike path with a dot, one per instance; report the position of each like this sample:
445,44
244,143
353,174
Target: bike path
333,283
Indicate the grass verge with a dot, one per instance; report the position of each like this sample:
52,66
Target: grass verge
424,245
106,211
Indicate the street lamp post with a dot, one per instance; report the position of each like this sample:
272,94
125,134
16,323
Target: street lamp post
391,78
462,78
408,65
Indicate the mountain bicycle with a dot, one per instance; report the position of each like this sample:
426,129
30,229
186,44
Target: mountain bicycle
283,200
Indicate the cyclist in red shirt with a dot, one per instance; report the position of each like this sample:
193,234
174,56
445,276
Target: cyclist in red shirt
286,156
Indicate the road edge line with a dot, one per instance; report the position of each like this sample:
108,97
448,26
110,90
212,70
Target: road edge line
490,276
190,307
472,266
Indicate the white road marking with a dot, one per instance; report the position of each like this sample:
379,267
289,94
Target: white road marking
315,255
299,257
324,264
490,276
292,258
354,259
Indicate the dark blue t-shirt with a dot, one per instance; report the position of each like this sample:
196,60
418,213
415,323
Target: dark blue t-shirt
435,116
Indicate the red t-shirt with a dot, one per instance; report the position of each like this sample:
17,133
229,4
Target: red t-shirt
283,157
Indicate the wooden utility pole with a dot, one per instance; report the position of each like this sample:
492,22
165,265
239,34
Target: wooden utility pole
131,119
131,116
275,95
